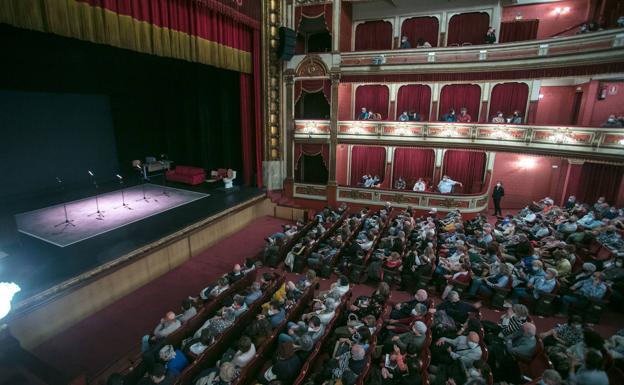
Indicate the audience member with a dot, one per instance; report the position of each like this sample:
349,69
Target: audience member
490,36
405,43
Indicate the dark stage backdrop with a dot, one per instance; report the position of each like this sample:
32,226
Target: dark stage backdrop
189,111
49,135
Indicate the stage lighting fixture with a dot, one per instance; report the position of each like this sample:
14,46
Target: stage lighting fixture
7,291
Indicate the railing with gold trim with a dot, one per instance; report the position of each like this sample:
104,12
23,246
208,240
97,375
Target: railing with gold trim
577,44
589,142
471,203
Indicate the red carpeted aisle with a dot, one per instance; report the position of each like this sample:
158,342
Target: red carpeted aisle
96,341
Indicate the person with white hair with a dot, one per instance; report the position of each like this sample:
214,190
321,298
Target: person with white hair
523,345
536,286
465,349
446,185
416,337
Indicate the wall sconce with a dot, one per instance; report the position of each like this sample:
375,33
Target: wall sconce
526,163
540,96
563,10
519,16
622,142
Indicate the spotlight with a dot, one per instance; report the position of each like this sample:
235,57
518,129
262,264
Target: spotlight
7,291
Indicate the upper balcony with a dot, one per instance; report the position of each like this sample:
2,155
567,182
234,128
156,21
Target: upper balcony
591,48
584,142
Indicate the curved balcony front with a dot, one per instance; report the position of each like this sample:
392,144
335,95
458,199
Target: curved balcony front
570,141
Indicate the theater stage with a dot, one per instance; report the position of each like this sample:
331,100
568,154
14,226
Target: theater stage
92,216
45,256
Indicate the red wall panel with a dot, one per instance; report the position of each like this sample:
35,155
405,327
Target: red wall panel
342,155
556,106
344,102
523,177
551,23
613,104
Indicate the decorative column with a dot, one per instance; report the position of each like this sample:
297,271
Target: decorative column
572,179
289,114
435,95
533,102
437,171
336,26
271,81
485,102
333,136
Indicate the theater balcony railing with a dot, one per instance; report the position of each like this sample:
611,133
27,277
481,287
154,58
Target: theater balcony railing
467,203
591,48
570,141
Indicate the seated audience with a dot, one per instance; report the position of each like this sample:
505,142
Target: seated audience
612,122
400,184
404,117
449,116
188,310
405,43
499,118
364,115
490,36
286,365
420,185
464,117
515,118
158,375
175,361
415,117
446,185
422,43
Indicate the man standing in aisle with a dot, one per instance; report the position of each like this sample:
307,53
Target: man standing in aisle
497,195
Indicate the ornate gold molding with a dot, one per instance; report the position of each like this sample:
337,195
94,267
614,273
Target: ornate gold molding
271,70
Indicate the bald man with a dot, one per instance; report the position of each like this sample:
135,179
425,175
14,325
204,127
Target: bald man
522,345
357,362
464,349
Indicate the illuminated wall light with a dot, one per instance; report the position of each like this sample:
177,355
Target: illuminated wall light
558,10
541,96
622,142
566,9
526,163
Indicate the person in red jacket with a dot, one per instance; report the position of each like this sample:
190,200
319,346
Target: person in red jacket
464,117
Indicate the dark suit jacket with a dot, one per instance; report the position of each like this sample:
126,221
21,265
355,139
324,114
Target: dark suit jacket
498,192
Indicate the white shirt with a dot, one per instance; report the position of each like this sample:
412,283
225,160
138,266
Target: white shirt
446,186
419,186
241,359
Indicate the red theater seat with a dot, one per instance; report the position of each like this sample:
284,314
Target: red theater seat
187,174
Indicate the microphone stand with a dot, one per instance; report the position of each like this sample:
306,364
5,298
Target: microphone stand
99,213
123,197
142,182
164,183
67,221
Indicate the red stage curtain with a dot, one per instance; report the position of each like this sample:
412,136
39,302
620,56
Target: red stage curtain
421,27
468,28
414,98
373,35
599,180
518,30
206,32
312,12
413,163
373,97
251,118
508,97
367,160
312,86
467,167
461,95
311,150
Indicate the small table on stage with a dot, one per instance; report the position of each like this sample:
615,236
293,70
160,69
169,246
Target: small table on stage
160,165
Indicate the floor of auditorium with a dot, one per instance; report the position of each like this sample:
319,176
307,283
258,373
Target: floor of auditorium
96,341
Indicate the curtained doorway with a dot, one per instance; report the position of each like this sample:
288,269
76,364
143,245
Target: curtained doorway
311,169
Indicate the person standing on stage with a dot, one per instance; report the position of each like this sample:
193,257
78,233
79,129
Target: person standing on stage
497,195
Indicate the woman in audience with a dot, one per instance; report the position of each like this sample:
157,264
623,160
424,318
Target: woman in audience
259,331
226,375
591,372
499,118
245,353
286,365
565,335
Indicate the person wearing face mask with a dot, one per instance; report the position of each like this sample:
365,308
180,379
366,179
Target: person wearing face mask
464,349
449,116
591,288
497,194
464,117
516,118
405,44
612,122
446,185
499,118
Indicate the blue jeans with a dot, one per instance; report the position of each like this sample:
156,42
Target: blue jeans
519,293
567,300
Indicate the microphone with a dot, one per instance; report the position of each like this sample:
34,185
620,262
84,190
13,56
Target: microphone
59,180
119,177
90,173
138,166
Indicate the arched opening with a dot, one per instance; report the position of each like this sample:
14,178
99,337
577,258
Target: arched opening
311,169
312,106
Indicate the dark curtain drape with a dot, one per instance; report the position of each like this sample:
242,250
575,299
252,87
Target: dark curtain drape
414,98
421,27
599,180
373,97
312,12
468,28
508,97
467,167
312,86
373,35
180,114
413,163
367,160
311,169
312,106
461,95
518,30
311,150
